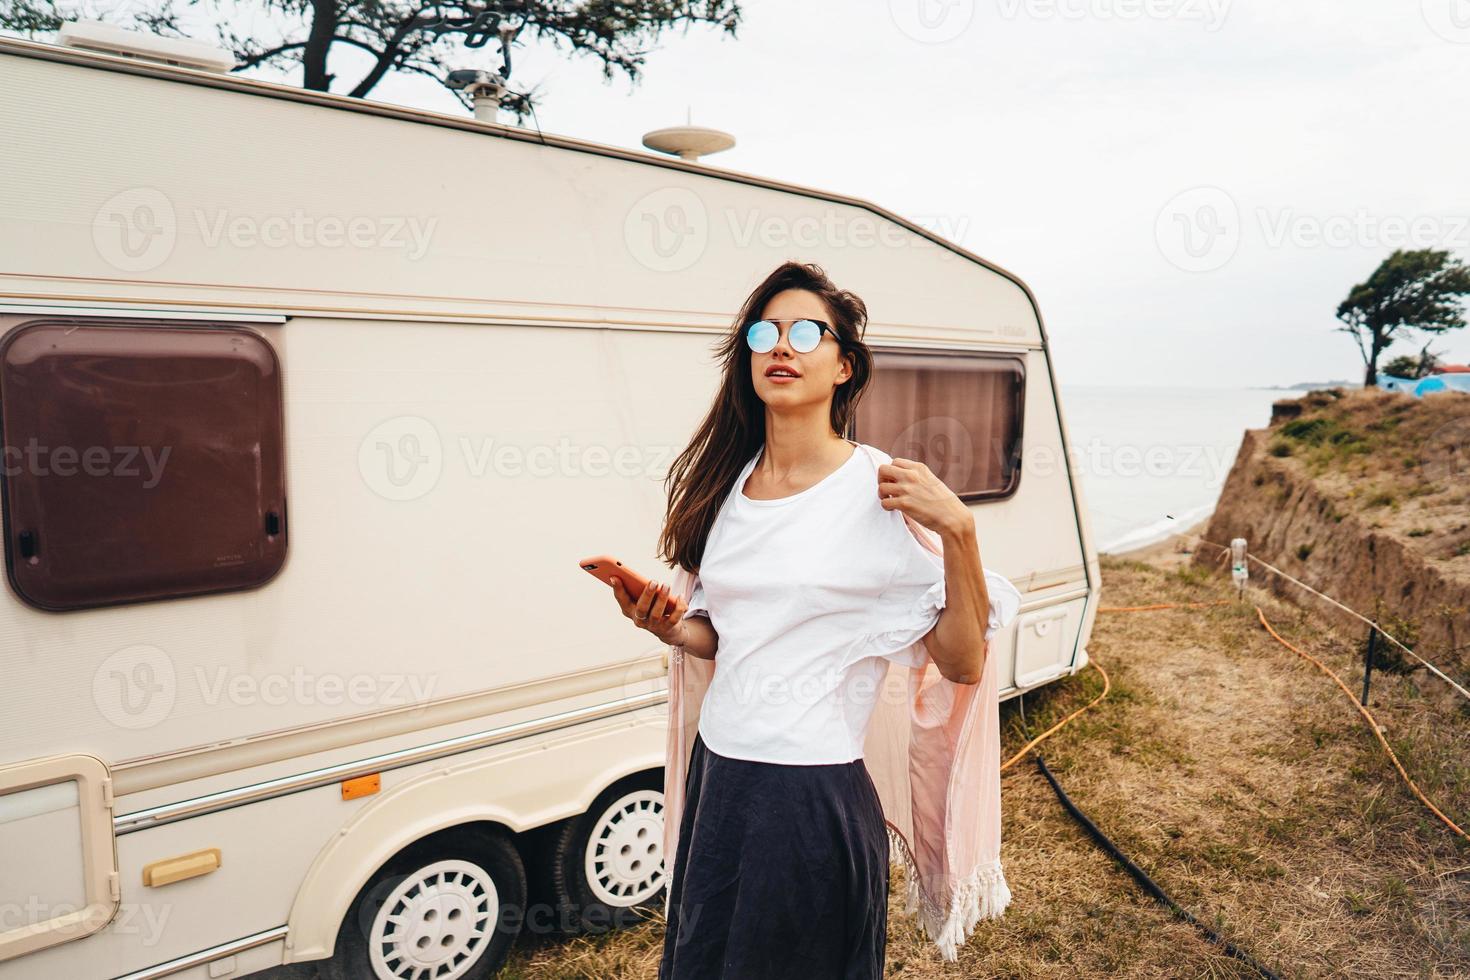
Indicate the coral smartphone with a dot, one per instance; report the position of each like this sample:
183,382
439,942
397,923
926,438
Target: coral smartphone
604,567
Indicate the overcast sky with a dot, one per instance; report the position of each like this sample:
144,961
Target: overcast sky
1189,186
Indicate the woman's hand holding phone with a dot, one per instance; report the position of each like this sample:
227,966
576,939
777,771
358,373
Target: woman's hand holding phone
654,610
651,607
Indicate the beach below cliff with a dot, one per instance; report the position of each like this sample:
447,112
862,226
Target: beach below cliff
1171,552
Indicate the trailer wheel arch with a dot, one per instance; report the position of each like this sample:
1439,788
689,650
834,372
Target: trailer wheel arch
357,853
428,804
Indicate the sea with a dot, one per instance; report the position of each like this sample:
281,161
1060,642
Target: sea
1153,459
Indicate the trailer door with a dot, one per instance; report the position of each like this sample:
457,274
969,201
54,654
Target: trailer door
58,863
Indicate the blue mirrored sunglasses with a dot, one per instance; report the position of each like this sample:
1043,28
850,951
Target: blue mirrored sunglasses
804,335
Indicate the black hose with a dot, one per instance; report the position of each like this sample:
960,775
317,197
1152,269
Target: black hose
1145,881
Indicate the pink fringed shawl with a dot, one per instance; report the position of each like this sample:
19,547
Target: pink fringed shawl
933,750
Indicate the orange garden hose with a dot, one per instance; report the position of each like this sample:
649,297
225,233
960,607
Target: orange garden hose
1372,722
1137,873
1163,605
1035,741
1459,688
1107,683
1140,876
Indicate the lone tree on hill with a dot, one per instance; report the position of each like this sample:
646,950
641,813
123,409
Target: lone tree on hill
418,36
1417,290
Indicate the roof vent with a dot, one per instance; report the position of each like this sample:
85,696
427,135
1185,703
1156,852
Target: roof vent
688,142
96,35
484,87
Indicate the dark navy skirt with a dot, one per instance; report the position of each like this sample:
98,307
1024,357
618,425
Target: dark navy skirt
781,871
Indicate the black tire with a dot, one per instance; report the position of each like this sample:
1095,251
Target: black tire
628,816
474,870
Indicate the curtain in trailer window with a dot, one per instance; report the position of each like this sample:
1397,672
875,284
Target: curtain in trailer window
959,414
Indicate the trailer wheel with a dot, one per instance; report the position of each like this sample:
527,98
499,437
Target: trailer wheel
448,907
607,866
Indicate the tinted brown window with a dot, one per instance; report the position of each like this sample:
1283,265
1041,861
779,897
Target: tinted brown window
141,461
959,414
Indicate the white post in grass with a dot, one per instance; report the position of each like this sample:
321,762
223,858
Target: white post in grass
1238,573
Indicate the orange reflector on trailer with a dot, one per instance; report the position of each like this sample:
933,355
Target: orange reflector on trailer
361,786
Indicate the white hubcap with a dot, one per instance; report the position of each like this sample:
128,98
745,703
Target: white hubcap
625,854
436,924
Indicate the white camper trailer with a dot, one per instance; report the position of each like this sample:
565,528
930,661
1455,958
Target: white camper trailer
311,406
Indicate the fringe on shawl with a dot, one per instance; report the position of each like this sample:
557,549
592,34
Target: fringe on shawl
981,895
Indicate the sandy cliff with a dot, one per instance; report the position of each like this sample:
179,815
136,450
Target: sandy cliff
1364,495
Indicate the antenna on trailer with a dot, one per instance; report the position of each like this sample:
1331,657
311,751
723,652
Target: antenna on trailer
486,88
688,142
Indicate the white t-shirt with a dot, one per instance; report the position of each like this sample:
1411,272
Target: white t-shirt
812,595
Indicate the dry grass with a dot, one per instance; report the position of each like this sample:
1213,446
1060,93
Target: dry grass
1237,776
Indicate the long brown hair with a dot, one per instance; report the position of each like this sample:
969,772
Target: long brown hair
735,427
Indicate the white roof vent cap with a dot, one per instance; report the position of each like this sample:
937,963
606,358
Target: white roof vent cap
96,35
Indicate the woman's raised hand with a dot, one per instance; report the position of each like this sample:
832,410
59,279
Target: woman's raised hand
655,610
910,486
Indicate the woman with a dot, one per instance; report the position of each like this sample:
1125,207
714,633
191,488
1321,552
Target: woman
809,585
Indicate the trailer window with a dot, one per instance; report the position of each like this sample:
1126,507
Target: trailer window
141,461
959,414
